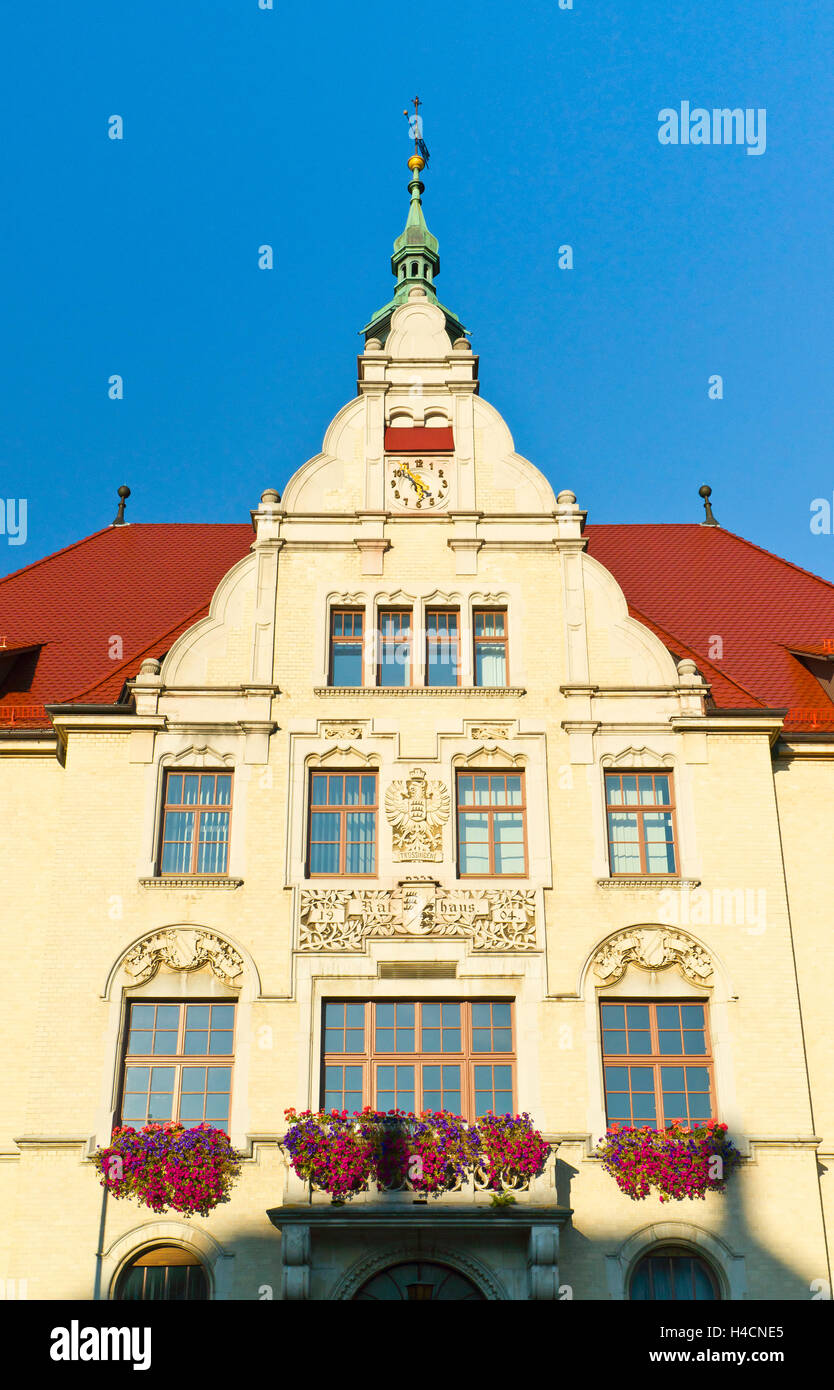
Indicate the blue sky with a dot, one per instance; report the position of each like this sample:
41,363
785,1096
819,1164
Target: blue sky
245,126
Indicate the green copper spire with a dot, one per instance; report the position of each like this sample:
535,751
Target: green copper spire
415,262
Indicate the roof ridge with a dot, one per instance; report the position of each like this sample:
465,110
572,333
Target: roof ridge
652,623
771,554
53,554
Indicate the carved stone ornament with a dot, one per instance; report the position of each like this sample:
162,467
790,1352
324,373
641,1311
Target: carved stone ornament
342,919
489,731
417,809
652,948
343,731
183,948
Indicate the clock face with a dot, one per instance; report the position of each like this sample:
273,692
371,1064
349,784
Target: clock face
417,484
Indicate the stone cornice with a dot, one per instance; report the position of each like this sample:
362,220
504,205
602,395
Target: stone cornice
648,882
755,722
358,691
190,882
420,1214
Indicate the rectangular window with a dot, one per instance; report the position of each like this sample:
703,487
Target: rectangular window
195,823
347,626
178,1064
641,823
491,664
343,819
394,647
414,1056
491,824
658,1064
442,647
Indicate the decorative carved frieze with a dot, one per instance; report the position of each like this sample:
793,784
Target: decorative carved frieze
489,731
417,809
339,731
652,948
183,948
342,919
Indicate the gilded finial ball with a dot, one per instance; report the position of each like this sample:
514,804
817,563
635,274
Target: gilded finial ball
417,162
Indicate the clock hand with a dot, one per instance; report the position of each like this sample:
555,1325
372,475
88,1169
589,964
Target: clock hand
420,486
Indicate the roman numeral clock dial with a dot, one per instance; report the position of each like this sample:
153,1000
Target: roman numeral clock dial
418,484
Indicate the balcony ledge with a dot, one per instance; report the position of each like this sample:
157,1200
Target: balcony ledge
190,881
432,1212
648,882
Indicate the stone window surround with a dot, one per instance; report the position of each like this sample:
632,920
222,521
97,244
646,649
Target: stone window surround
613,754
379,749
177,986
216,1263
727,1267
180,752
466,599
654,986
320,979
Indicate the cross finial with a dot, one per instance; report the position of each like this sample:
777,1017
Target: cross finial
420,150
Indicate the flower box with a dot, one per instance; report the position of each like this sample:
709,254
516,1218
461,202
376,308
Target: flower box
675,1163
402,1156
169,1167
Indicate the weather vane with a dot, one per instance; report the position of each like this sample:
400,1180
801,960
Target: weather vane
415,130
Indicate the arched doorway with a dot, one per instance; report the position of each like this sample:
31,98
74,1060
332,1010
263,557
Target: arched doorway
416,1281
166,1273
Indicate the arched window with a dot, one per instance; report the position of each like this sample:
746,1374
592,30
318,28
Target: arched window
166,1273
673,1274
418,1282
413,267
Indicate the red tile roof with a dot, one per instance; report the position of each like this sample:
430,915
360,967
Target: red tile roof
146,583
695,584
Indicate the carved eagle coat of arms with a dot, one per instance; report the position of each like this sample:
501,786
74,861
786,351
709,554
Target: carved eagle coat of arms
417,810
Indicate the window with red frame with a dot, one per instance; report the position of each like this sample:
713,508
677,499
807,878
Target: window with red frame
394,647
178,1064
343,824
347,628
414,1055
442,646
658,1064
195,823
491,825
641,823
490,639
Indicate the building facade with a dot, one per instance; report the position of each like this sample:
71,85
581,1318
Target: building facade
397,800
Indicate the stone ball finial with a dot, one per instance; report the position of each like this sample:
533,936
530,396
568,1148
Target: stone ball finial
705,491
270,497
149,669
123,494
688,672
373,345
566,498
462,345
417,293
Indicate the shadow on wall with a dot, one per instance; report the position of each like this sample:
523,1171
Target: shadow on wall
745,1266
